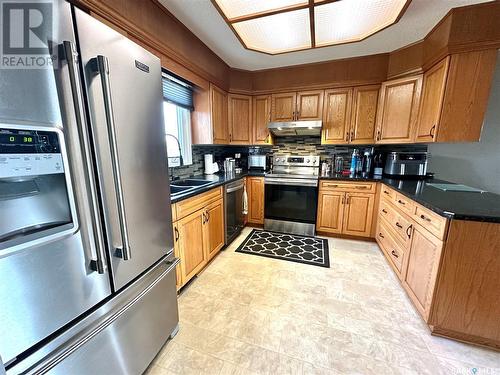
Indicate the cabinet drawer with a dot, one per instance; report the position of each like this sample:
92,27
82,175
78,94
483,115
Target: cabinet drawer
431,221
388,193
400,224
362,187
392,249
405,204
197,202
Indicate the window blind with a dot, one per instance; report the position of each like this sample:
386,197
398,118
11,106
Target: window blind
177,91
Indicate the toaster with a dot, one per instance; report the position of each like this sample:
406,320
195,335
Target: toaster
408,164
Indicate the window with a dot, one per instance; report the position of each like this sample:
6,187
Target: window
177,107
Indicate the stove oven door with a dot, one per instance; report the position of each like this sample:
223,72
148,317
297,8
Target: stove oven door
291,200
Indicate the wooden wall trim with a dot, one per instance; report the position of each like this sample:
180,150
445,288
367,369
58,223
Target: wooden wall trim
196,57
463,29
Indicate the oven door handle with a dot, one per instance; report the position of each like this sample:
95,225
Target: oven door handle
290,181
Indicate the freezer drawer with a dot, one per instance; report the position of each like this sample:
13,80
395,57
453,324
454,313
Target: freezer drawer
122,337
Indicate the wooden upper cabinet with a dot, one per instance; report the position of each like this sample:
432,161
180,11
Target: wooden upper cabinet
261,117
455,97
358,214
283,107
398,110
363,120
218,115
336,116
309,105
422,268
239,119
432,101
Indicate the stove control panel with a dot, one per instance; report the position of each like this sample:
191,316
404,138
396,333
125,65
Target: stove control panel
298,161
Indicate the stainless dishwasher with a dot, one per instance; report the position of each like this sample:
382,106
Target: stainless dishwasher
234,206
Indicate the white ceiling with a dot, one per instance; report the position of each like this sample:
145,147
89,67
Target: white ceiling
201,17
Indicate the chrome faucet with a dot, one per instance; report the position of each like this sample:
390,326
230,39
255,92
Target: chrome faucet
179,146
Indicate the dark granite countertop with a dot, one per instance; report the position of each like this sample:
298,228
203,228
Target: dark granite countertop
457,205
215,181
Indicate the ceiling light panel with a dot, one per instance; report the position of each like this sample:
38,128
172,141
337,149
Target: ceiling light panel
238,8
278,33
352,20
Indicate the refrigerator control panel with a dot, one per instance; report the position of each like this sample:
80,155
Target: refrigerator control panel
29,153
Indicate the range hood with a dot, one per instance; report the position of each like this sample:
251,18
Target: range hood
295,128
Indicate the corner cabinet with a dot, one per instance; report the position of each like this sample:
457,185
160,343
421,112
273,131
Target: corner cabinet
218,115
455,97
255,190
239,119
261,106
296,106
398,110
198,232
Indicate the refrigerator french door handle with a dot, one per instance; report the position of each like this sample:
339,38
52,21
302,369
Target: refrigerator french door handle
99,263
101,66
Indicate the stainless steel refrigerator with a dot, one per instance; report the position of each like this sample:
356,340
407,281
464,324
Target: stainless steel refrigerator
87,271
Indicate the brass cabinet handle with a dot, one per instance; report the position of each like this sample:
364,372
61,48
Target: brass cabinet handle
378,135
204,218
401,202
431,132
386,192
408,230
208,216
352,136
394,254
176,234
348,199
384,210
347,136
343,199
423,217
399,225
381,235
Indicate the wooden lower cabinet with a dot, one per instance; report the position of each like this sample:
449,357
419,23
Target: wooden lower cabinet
190,233
422,269
214,228
342,210
358,214
198,232
330,211
255,190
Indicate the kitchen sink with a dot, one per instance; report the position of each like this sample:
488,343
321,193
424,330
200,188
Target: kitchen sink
179,189
191,182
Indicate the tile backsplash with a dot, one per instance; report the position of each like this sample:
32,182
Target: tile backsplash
283,145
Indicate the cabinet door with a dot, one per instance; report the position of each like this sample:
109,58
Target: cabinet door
337,116
432,101
214,228
218,115
239,119
261,117
421,272
283,107
177,254
191,244
256,200
330,211
398,110
309,105
358,214
364,113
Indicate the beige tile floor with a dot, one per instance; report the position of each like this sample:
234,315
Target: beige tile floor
247,314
